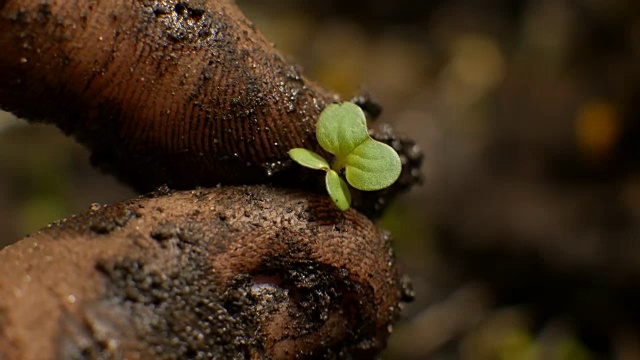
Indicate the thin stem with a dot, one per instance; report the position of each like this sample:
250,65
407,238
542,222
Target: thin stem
337,165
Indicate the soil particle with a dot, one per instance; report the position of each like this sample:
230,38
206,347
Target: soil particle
185,304
165,231
101,220
118,219
184,21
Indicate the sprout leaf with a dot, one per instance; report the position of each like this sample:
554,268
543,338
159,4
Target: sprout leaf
372,166
338,190
309,159
341,128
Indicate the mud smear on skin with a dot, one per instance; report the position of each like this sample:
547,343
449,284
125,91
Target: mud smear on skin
249,270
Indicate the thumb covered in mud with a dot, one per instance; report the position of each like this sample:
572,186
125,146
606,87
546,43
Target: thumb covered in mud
252,270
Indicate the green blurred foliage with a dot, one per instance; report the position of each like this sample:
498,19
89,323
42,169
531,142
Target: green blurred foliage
44,177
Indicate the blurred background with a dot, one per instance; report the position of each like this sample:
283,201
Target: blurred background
524,240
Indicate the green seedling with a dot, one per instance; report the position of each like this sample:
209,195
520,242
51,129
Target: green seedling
369,164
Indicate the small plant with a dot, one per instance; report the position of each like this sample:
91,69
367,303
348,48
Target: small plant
369,164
